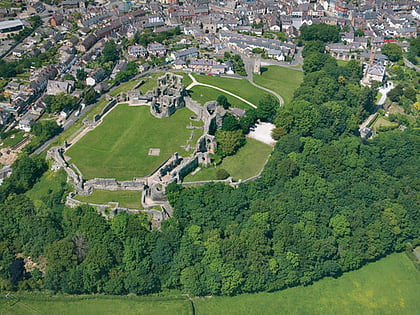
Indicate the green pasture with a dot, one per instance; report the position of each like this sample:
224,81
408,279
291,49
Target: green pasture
93,305
388,286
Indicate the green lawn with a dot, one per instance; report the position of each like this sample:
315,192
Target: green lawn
125,198
95,305
186,80
13,139
119,146
282,80
203,94
388,286
247,162
240,87
124,87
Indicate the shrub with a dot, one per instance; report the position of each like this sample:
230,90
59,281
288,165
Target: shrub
222,174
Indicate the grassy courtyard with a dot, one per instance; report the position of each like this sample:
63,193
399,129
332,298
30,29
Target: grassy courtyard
388,286
125,198
119,146
203,94
247,162
240,87
281,80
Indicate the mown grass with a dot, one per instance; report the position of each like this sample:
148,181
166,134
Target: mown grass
94,305
203,94
124,87
281,80
119,146
125,198
388,286
247,162
240,87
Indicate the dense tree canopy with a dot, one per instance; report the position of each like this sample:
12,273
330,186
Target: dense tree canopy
323,32
393,51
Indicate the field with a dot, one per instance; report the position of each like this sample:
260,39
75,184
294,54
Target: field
282,80
247,162
203,94
240,87
125,198
94,305
119,146
388,286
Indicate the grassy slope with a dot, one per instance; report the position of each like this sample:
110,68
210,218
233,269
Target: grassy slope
124,87
282,80
249,160
388,286
241,87
119,146
49,183
126,198
204,94
92,305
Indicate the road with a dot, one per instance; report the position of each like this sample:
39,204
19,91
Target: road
409,64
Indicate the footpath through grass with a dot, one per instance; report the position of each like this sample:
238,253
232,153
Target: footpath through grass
125,198
203,94
389,286
281,80
119,146
247,162
240,87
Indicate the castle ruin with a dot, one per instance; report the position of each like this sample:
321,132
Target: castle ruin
168,96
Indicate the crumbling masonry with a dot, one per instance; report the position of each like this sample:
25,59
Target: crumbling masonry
165,99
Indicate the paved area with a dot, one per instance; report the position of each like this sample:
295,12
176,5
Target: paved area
262,132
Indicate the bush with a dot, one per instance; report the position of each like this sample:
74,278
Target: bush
222,174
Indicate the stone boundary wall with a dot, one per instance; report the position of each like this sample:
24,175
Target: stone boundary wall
106,109
115,209
153,185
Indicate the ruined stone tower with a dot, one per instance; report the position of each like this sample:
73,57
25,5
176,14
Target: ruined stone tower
257,64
